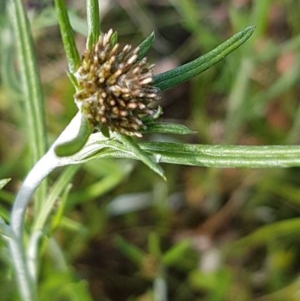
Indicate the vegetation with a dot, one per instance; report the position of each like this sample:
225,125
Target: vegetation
219,222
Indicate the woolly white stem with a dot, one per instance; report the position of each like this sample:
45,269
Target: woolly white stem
25,267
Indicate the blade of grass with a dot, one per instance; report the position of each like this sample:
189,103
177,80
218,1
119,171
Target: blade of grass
56,190
9,77
239,106
236,100
130,251
265,234
31,84
32,91
191,15
257,103
97,189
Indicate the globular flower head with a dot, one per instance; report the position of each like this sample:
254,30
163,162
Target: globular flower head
114,87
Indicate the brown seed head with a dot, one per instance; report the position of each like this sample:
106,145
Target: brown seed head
114,87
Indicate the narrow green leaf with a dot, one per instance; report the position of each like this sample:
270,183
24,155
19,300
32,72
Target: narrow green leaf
168,128
3,182
57,189
224,156
9,77
154,245
145,46
132,252
67,35
6,197
31,83
187,71
31,90
93,20
218,156
132,146
176,253
59,214
264,234
99,188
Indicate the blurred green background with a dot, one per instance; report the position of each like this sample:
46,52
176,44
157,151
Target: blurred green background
205,234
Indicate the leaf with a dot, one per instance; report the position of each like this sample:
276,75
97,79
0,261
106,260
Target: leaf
187,71
59,188
176,253
168,128
31,83
3,182
218,156
224,155
145,46
67,35
129,250
132,146
274,231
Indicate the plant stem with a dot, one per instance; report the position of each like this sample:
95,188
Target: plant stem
25,267
26,284
41,169
26,272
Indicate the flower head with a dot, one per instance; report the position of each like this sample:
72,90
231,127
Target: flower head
114,87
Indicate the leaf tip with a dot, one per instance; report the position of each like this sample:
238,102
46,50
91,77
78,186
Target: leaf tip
152,35
249,30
